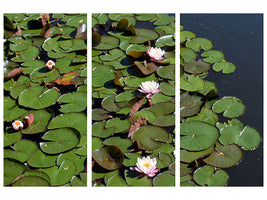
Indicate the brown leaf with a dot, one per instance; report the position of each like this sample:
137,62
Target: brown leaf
134,127
66,80
45,18
117,78
18,32
136,106
47,33
14,73
149,68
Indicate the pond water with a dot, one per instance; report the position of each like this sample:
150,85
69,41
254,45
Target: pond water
240,37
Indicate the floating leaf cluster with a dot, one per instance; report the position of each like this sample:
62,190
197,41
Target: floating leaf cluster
208,145
126,124
45,76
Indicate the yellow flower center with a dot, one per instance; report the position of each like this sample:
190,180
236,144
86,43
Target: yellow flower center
146,164
50,63
17,123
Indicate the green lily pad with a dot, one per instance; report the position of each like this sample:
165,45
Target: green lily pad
225,156
145,16
226,67
76,159
38,97
120,125
136,50
190,156
123,144
96,143
62,174
76,20
206,176
12,170
205,115
60,140
40,122
150,137
112,55
80,182
99,114
167,72
101,74
184,35
19,44
22,150
99,130
197,136
42,160
109,104
166,40
230,106
10,137
31,181
42,74
191,83
158,98
11,109
73,102
199,43
163,112
187,54
249,138
27,54
189,104
164,19
107,43
133,178
143,35
109,157
131,159
213,56
196,67
77,121
31,65
164,179
126,96
116,181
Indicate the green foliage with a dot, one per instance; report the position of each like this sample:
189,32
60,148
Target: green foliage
50,150
125,125
207,144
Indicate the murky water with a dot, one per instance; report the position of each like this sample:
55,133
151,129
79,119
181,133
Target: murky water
240,37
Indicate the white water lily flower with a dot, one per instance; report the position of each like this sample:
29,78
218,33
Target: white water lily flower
17,125
149,88
146,165
155,53
50,64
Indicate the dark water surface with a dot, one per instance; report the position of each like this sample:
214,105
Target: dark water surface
240,37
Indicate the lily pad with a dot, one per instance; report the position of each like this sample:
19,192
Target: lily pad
19,44
166,40
11,109
109,157
22,150
150,137
101,74
112,55
199,43
60,140
27,55
77,121
40,122
10,137
167,72
206,176
213,56
190,156
133,178
42,160
116,181
31,181
120,125
191,83
143,35
226,67
123,144
12,170
99,130
38,97
189,104
184,35
225,156
164,179
107,43
62,174
73,102
187,54
197,136
230,106
196,67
